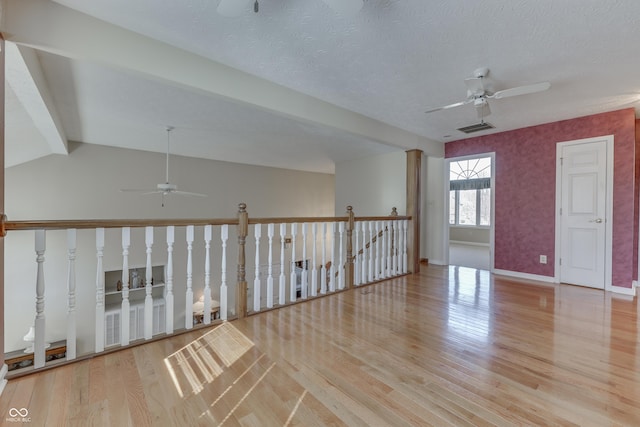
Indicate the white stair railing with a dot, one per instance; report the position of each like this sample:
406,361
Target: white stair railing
148,286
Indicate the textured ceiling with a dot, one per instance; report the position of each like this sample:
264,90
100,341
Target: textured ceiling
390,62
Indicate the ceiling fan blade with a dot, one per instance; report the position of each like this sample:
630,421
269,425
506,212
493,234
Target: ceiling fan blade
232,8
521,90
345,7
446,107
135,190
188,193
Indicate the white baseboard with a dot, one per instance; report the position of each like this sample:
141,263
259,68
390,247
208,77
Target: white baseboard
625,291
3,374
526,276
460,242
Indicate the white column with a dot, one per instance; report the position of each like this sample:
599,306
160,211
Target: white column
304,278
270,230
71,288
99,335
314,270
124,310
332,270
188,308
39,323
356,256
168,303
256,280
224,236
323,267
292,276
148,298
342,259
283,281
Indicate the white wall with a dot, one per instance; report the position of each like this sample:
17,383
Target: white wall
434,211
372,185
85,185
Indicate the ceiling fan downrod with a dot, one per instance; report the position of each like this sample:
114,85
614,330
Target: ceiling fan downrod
256,6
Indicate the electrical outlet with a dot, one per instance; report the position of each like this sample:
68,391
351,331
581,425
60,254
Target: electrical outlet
543,259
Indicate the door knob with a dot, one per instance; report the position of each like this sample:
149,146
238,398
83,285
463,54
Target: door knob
597,220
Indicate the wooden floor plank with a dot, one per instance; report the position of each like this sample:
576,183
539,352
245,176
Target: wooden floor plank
448,347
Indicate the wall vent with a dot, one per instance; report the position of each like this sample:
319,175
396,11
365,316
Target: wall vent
476,128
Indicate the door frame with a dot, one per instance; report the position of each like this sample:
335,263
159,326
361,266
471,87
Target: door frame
447,166
608,240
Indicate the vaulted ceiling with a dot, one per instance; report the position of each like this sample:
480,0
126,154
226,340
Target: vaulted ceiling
298,85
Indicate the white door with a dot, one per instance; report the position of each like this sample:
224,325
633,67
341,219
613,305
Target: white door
583,213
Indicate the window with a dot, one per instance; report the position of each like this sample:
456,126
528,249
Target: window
470,192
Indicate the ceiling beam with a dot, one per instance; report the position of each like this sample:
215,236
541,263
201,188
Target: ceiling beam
48,26
24,75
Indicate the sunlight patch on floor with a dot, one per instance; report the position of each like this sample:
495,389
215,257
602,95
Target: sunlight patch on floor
201,361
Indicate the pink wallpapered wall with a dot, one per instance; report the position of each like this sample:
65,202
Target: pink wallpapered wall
525,190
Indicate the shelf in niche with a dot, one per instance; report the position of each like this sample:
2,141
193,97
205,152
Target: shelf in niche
158,285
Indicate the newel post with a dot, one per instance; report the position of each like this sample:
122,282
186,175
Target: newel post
349,267
241,288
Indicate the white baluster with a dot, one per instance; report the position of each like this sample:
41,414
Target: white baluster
394,255
169,285
342,260
303,281
39,324
323,267
365,252
256,280
387,248
283,283
99,344
371,251
188,311
332,270
71,287
292,280
356,257
224,236
207,274
148,286
378,251
270,229
314,271
124,311
404,246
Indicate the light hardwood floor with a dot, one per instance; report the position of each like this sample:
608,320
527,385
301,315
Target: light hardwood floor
451,346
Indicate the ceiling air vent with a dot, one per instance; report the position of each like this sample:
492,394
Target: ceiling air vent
476,128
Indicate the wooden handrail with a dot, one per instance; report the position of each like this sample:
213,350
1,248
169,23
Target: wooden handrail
110,223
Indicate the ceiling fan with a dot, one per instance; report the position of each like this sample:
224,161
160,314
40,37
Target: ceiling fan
231,8
479,92
165,188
